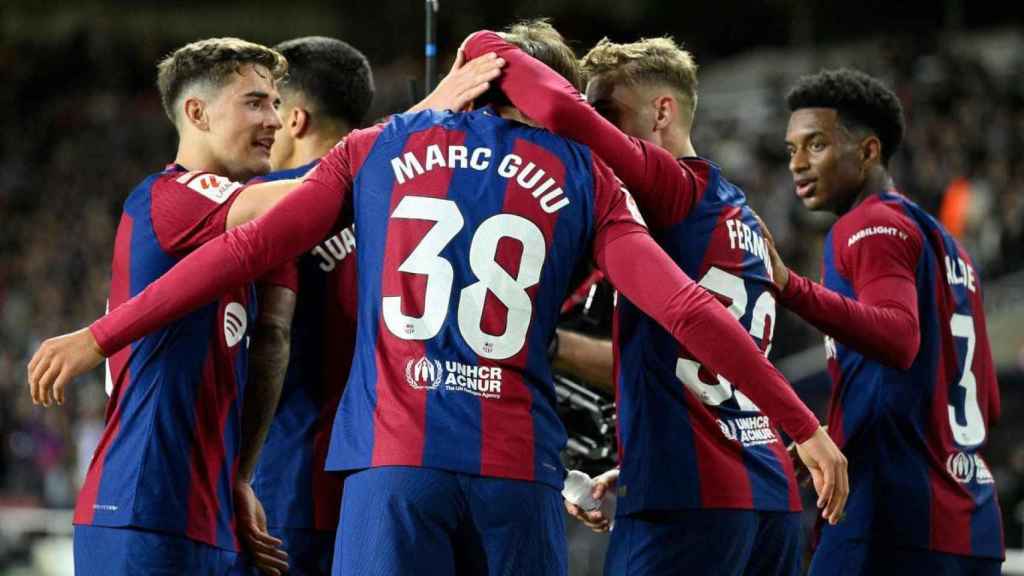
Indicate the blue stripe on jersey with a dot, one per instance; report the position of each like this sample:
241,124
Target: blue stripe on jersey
887,414
187,339
282,478
986,534
441,440
452,417
573,228
118,489
652,402
354,418
654,425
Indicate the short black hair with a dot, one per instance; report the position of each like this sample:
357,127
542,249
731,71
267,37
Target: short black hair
859,99
332,74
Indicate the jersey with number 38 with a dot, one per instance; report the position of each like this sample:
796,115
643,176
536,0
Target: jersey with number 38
469,227
913,437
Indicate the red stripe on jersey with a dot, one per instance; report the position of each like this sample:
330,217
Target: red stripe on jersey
213,402
700,170
719,461
507,438
120,287
836,429
338,346
951,503
399,418
724,479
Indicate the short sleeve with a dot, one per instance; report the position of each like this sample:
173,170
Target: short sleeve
191,208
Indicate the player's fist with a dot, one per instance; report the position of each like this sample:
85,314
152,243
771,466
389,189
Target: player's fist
827,467
597,517
58,361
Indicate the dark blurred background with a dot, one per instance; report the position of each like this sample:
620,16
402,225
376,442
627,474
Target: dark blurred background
83,124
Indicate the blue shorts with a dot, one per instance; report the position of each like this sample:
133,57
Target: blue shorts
104,551
309,552
707,542
845,556
398,521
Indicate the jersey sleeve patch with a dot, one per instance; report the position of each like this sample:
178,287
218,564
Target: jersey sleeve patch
634,210
214,187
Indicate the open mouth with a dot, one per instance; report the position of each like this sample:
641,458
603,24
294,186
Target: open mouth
264,144
805,187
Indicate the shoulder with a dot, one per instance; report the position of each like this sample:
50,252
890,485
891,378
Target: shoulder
875,218
213,187
702,172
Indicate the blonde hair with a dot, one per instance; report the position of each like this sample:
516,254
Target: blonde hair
648,61
211,62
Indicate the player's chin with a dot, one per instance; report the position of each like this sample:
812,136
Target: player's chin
259,163
813,203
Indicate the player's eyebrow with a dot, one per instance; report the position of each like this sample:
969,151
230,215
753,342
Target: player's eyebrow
256,94
804,136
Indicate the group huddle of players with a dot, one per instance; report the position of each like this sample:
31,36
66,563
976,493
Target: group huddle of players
281,401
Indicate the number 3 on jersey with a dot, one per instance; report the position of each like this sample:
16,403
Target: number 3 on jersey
426,259
732,288
972,432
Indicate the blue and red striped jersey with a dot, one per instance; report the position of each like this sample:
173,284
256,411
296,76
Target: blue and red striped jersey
469,227
687,437
168,457
913,437
289,479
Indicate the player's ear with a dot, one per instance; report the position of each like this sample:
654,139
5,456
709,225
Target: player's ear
871,151
298,121
665,111
195,113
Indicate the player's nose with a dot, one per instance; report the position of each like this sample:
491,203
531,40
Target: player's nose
272,119
798,162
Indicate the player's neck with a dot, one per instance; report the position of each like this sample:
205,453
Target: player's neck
877,181
677,141
510,113
313,147
196,158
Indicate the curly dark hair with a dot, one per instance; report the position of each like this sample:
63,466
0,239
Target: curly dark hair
333,75
859,99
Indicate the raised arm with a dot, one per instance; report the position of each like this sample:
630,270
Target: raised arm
300,220
648,277
882,323
650,172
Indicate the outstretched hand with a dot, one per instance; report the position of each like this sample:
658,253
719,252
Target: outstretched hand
828,469
780,273
58,361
